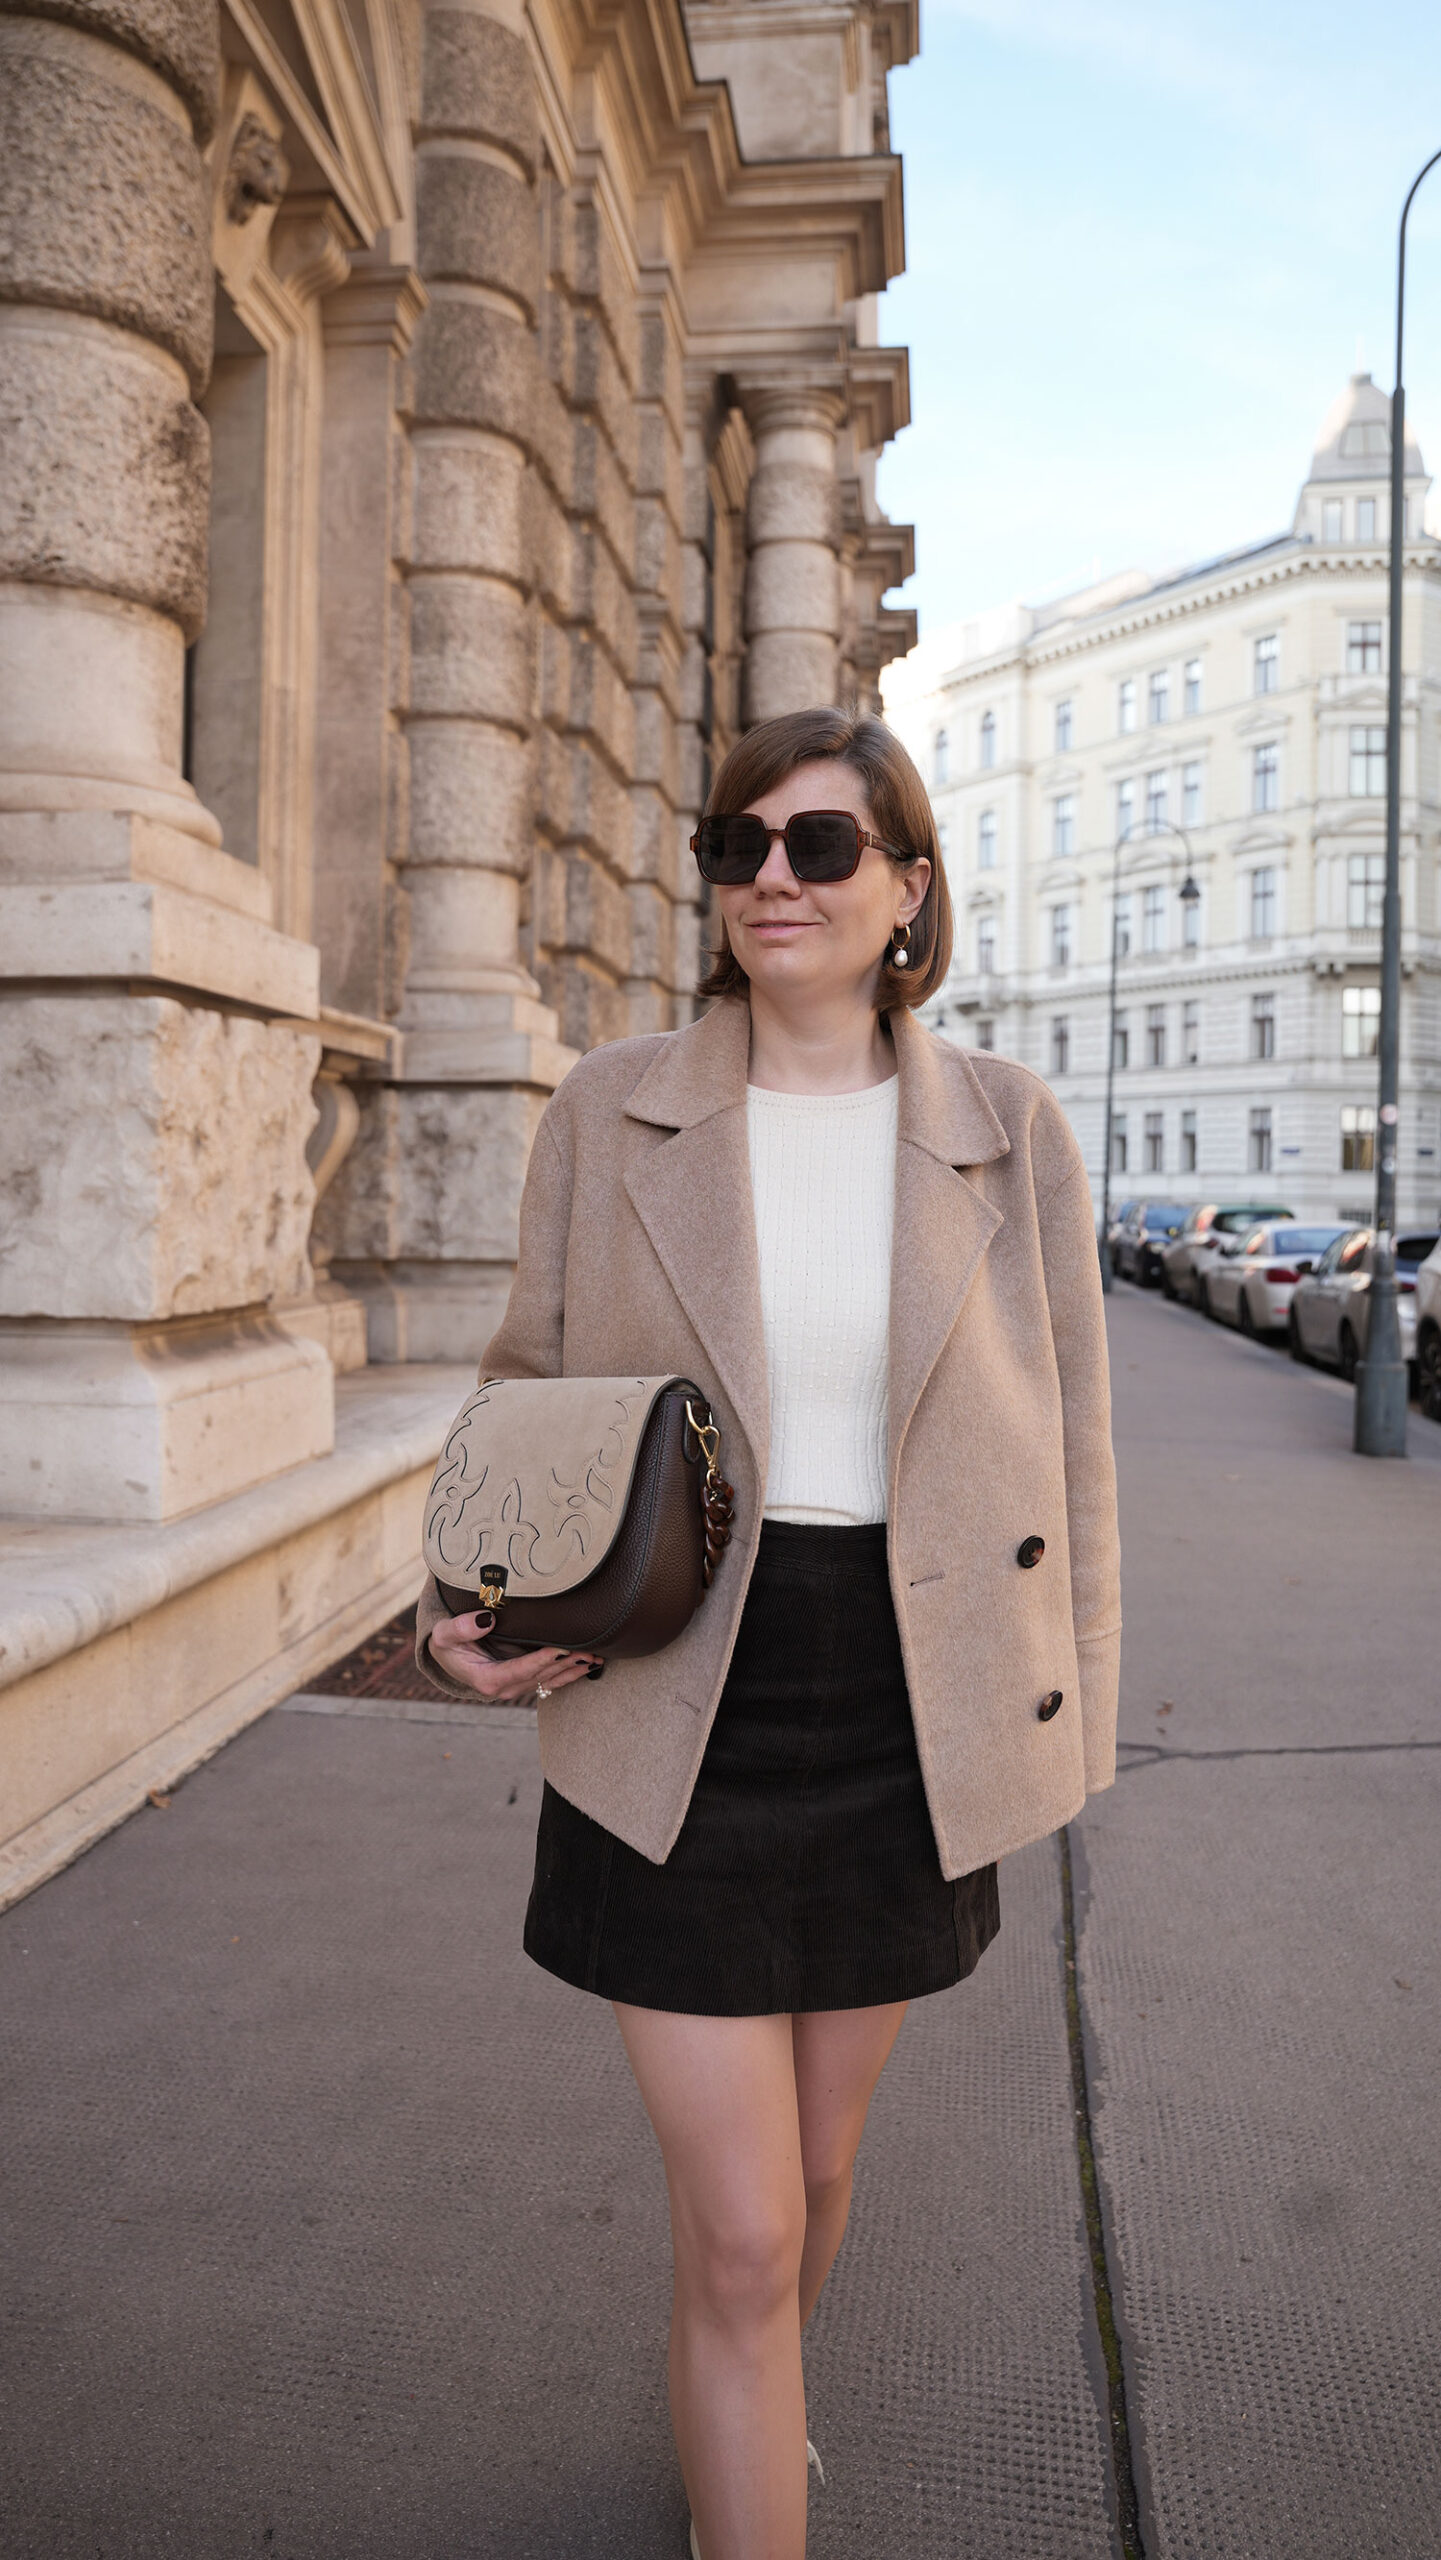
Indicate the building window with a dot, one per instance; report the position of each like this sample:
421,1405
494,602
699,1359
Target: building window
986,840
1126,707
1155,1142
1358,1137
1191,924
1263,1026
988,739
1060,937
1123,926
1191,1034
1156,796
1158,700
1190,795
1063,825
1263,904
986,945
1153,917
1191,677
941,758
1060,1044
1155,1035
1266,776
1063,728
1266,664
1365,519
1125,808
1360,1021
1363,648
1331,520
1368,764
1365,891
1188,1142
1259,1160
985,1033
1121,1043
1118,1142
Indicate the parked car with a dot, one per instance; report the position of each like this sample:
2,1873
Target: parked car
1184,1263
1151,1225
1329,1308
1120,1212
1250,1279
1428,1334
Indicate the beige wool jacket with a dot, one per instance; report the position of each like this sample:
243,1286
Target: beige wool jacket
638,1253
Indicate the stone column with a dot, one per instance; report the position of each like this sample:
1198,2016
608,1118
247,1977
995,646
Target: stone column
793,533
422,1218
152,1151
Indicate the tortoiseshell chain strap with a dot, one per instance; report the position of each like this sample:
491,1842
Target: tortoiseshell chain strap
718,1498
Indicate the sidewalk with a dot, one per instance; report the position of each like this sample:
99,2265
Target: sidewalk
336,2229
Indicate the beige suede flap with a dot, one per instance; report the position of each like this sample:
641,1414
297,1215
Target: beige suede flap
534,1475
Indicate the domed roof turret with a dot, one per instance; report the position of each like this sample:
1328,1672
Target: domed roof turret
1355,438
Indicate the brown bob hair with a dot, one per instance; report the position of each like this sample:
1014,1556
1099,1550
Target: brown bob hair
899,806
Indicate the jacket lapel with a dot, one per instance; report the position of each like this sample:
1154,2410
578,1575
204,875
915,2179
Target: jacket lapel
693,1198
943,1223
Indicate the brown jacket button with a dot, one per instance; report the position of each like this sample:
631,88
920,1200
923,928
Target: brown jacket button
1049,1705
1030,1551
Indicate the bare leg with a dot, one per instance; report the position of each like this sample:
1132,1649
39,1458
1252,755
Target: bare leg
839,2056
758,2120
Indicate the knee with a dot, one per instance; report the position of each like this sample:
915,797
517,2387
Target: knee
741,2268
827,2174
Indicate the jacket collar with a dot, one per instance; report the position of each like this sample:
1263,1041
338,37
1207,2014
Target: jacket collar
941,1107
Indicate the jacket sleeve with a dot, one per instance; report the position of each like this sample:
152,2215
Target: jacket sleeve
1078,1329
531,1340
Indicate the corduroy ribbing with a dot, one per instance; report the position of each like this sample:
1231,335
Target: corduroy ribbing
823,1177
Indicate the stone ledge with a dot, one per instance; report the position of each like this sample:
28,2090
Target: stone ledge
64,1584
133,1655
147,929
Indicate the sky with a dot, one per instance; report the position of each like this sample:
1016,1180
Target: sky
1147,243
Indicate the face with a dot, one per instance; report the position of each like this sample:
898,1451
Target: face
799,941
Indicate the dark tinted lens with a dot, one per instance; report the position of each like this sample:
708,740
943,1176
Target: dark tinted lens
823,844
731,849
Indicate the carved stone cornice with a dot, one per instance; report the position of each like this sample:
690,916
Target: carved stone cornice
375,307
310,246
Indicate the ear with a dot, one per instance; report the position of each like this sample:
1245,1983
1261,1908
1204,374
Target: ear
914,884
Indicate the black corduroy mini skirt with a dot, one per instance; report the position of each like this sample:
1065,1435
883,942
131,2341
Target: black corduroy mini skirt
805,1875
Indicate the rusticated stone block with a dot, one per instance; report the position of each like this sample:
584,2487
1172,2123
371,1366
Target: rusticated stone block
550,550
599,385
152,1157
435,1175
472,795
602,493
551,440
103,206
597,919
602,595
794,500
178,38
470,649
600,808
472,510
474,367
476,225
104,467
793,586
652,933
477,80
600,702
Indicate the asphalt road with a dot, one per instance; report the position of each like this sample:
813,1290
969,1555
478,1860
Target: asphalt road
332,2227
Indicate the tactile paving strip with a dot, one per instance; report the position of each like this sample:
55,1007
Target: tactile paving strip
336,2230
1258,1965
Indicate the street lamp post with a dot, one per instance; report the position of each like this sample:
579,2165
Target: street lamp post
1381,1383
1190,897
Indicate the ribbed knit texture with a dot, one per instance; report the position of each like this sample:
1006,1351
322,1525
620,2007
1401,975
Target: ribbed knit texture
823,1176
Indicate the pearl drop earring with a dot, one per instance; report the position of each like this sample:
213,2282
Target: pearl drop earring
901,947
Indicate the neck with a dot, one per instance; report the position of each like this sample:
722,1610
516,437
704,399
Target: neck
841,1048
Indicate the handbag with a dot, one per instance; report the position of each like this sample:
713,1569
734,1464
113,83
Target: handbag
584,1512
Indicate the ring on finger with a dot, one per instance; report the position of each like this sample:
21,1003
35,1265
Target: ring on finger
541,1690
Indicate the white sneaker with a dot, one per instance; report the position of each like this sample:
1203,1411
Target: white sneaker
694,2545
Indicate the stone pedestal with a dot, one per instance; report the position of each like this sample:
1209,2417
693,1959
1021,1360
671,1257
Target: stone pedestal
153,1047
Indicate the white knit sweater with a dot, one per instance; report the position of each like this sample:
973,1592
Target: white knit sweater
823,1175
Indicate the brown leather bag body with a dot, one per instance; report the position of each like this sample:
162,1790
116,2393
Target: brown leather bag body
585,1512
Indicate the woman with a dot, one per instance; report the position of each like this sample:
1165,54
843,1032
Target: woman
876,1255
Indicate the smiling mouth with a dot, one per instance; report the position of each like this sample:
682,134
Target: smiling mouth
780,924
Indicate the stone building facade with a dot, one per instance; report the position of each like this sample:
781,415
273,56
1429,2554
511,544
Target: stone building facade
1229,720
428,435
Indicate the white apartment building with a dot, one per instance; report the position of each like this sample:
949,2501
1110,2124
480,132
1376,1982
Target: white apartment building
1227,722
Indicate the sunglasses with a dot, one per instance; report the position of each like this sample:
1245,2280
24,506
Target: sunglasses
821,844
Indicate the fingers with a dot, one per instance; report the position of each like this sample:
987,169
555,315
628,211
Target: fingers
456,1646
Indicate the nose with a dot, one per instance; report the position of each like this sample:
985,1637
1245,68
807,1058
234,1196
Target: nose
775,872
